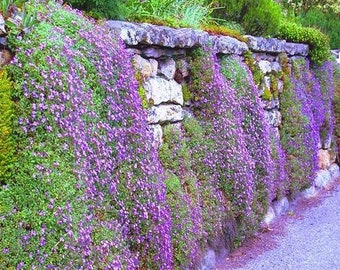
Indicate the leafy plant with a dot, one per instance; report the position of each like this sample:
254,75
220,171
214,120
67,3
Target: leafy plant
256,17
317,41
7,143
88,188
299,130
183,197
326,21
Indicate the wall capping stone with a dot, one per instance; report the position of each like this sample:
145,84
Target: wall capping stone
274,45
134,34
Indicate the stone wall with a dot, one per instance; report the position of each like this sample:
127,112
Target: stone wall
160,57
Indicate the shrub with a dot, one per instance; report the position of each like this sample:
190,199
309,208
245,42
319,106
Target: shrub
256,17
88,189
111,9
317,41
7,143
328,22
174,13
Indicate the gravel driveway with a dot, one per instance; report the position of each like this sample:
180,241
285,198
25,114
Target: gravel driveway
307,238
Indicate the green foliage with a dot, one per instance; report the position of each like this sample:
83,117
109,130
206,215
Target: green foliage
234,73
267,94
187,95
326,21
111,9
214,29
29,201
303,6
318,42
274,85
182,195
254,68
215,207
175,13
142,95
7,142
256,17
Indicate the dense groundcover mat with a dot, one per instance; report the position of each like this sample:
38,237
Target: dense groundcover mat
86,190
83,186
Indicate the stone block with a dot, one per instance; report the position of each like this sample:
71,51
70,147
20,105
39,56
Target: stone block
152,52
183,67
265,66
334,170
271,45
270,104
154,67
228,45
159,90
142,65
326,143
165,113
281,206
296,49
167,67
209,261
275,66
309,192
269,217
2,25
323,178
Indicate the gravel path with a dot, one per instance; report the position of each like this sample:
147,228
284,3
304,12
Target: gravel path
308,238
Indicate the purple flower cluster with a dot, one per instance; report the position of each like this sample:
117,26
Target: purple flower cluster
228,158
303,111
256,133
83,104
324,74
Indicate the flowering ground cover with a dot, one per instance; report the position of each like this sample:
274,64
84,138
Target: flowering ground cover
83,187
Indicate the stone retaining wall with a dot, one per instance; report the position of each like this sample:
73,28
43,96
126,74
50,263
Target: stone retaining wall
160,57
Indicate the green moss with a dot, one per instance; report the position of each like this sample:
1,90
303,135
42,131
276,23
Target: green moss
187,95
256,71
267,94
274,86
142,95
7,142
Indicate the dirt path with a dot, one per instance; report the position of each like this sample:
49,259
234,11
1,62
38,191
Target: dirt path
307,238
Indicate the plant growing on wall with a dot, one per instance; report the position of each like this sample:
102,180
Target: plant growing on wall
325,77
88,188
255,129
227,157
7,144
183,197
300,128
